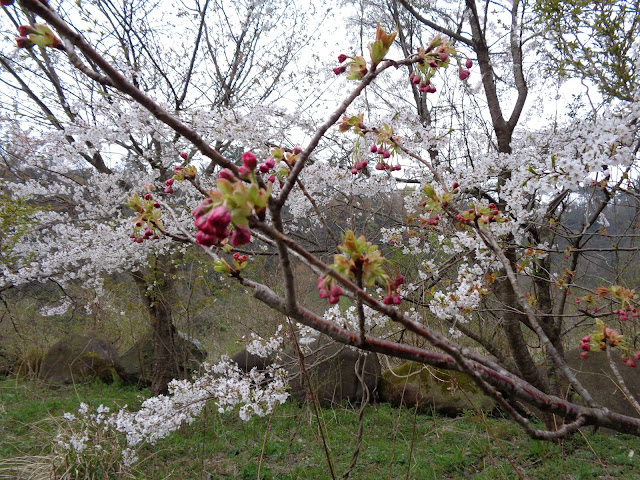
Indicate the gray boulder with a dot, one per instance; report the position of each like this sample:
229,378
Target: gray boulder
80,358
247,361
331,367
596,376
137,362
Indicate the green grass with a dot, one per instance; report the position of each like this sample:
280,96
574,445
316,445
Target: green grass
396,443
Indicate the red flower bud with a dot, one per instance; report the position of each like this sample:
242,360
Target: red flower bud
183,155
468,63
342,58
297,150
584,355
270,162
168,182
373,148
340,69
263,168
272,179
464,74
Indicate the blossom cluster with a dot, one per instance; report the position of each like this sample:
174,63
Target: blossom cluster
92,435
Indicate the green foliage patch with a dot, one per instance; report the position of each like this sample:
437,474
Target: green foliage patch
397,443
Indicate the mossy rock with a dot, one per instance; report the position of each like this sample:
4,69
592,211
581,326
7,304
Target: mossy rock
414,384
28,366
80,358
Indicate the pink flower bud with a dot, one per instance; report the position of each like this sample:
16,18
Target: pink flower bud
24,30
139,223
464,74
321,290
271,179
263,168
168,190
373,148
244,172
183,155
168,182
206,239
444,57
215,222
586,338
270,162
342,58
468,63
340,69
227,174
297,150
202,208
241,236
584,355
433,64
249,160
354,171
385,153
24,42
147,196
364,164
148,232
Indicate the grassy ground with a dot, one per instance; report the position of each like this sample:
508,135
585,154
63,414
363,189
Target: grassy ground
396,443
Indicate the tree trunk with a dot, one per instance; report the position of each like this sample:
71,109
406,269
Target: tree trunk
156,289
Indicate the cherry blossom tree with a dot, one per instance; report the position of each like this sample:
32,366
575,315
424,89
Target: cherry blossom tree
93,128
497,254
